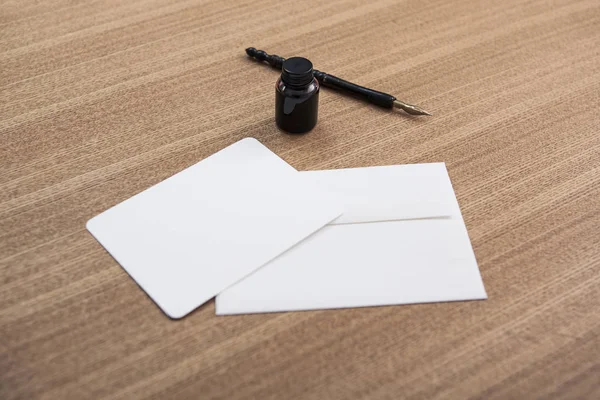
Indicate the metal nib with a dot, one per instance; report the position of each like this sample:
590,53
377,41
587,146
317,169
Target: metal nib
409,108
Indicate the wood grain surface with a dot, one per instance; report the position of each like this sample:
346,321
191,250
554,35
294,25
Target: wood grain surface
102,99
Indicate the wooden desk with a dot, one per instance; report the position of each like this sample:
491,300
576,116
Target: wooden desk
102,99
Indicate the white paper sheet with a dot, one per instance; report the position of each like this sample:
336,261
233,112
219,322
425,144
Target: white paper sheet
408,258
192,235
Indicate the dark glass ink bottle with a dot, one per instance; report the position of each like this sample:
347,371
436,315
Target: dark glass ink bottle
296,96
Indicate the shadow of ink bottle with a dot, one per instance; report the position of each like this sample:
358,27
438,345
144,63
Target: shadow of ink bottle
296,96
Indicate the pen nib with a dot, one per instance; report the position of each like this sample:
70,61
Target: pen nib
409,108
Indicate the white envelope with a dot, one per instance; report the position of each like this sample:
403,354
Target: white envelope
401,240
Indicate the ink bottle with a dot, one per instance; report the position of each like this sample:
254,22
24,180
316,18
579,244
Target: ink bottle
296,96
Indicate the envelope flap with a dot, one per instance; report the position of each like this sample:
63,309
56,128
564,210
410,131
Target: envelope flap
387,193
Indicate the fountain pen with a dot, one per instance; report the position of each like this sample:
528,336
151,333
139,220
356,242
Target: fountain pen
372,96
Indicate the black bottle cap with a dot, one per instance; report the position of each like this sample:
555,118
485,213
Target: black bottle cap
297,72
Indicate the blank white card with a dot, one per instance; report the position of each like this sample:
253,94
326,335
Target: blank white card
400,240
189,237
